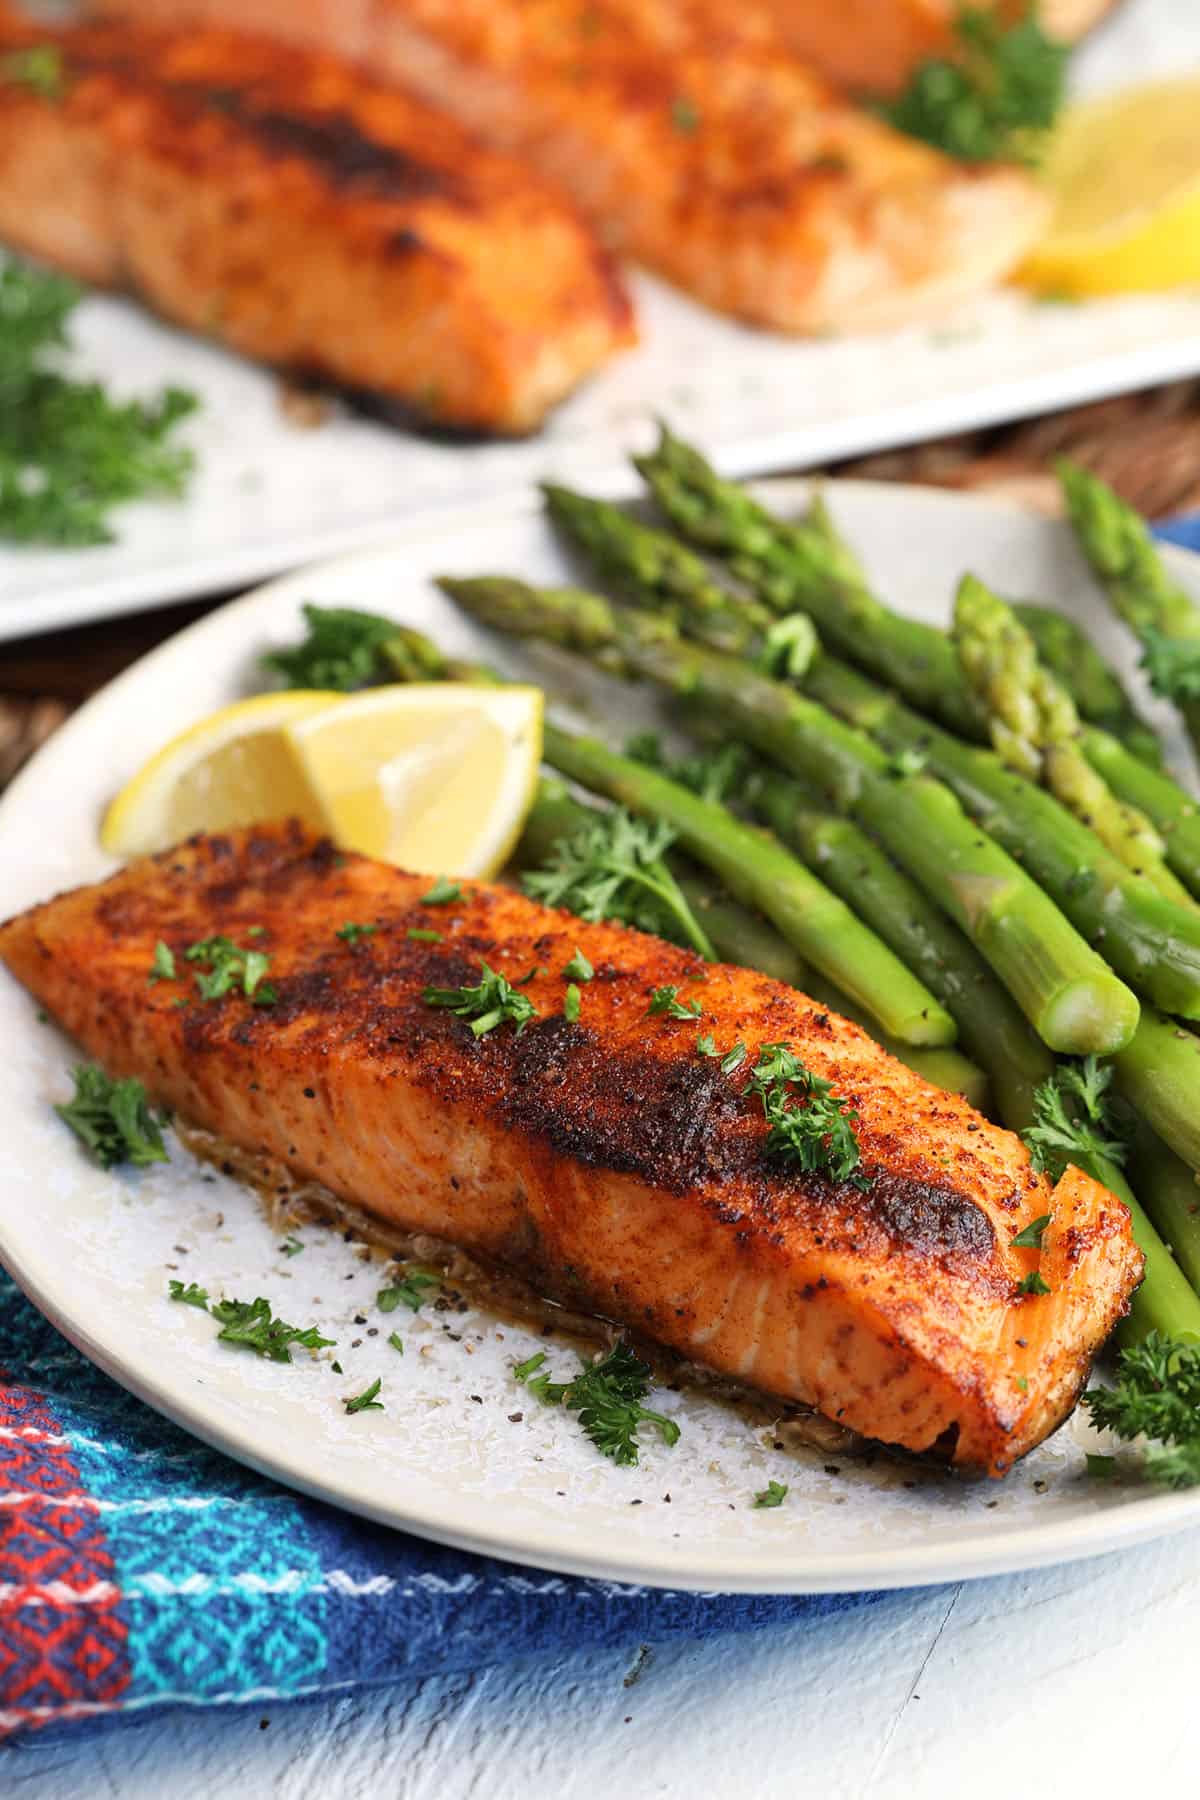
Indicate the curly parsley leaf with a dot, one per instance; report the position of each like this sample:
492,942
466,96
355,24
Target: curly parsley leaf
493,1001
1073,1121
69,453
810,1125
1172,664
994,100
366,1401
1156,1395
114,1119
607,1395
342,650
612,867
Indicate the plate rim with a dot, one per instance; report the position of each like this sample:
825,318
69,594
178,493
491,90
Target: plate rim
977,1554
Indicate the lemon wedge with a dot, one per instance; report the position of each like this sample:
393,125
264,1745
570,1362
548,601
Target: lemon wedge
1124,173
231,769
436,778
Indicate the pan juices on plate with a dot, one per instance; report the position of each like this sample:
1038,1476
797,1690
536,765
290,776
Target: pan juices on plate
697,143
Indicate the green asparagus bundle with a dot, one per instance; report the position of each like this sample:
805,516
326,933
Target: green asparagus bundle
1066,991
1169,807
1034,728
1099,696
1126,561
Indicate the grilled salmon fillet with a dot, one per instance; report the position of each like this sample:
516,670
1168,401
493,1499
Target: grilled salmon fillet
698,143
607,1161
287,205
873,46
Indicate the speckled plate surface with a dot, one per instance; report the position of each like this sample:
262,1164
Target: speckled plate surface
450,1457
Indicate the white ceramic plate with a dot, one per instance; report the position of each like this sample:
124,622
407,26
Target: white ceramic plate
268,495
446,1459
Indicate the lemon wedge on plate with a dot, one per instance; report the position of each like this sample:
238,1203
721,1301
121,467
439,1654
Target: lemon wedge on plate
437,778
1124,173
232,768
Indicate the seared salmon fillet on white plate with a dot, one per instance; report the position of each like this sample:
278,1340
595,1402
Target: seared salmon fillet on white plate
287,205
605,1158
698,143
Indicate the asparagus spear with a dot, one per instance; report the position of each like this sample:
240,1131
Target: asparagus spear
1171,807
1069,995
1171,1196
760,873
1034,728
991,1027
1122,553
1151,941
805,564
1069,653
1158,1072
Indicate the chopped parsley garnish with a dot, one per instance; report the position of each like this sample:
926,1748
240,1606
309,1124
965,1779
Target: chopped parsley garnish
366,1401
68,452
1033,1283
684,116
40,68
163,966
907,762
494,1001
442,893
1172,664
607,1395
411,1292
774,1494
706,1044
350,933
733,1059
342,650
291,1246
190,1295
230,967
666,1000
397,1342
1156,1395
790,643
612,867
810,1125
251,1324
1022,1382
114,1119
995,100
579,968
572,1003
1031,1237
420,936
1072,1122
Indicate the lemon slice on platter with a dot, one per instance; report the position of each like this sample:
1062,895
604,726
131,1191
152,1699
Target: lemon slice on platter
1124,173
436,778
231,769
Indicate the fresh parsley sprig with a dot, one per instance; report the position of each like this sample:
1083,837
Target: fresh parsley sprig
341,651
613,868
607,1395
1073,1120
994,100
229,967
1156,1396
69,453
251,1324
1172,664
493,1001
114,1119
810,1125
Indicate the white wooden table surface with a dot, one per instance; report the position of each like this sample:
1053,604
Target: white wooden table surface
1068,1682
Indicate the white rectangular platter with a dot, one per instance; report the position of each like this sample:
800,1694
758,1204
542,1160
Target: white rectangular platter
270,494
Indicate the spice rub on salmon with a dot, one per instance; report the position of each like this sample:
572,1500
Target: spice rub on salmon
286,204
696,140
607,1158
